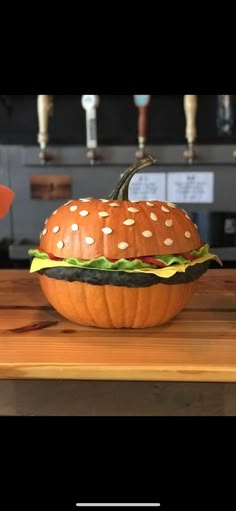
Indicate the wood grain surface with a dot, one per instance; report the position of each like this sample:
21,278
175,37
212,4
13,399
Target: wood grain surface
198,345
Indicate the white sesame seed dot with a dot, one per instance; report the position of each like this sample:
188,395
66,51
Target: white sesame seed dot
56,229
60,244
104,200
85,200
134,201
84,213
188,217
89,241
163,208
55,212
103,214
107,230
45,232
74,227
187,234
129,221
40,235
171,205
114,205
73,208
168,242
123,245
133,210
149,203
69,202
153,217
147,234
168,223
195,225
46,221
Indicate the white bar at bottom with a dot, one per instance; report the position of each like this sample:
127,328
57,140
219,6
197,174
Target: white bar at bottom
150,504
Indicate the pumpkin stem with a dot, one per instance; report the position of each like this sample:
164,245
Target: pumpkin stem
121,192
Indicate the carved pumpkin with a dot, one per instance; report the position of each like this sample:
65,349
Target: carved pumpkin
116,263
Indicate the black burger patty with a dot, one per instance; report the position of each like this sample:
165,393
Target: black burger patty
123,279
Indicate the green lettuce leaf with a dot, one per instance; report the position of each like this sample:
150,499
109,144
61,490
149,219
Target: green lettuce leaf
123,264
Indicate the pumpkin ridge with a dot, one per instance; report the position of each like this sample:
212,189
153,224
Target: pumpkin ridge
108,306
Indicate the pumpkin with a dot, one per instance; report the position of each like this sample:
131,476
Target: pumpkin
6,199
117,263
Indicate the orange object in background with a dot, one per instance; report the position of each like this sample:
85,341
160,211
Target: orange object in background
6,198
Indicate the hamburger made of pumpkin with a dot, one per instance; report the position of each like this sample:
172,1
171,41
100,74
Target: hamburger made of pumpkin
117,263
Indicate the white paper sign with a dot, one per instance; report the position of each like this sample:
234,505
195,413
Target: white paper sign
148,186
190,187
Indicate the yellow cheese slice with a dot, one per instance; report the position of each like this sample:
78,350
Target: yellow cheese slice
177,268
41,264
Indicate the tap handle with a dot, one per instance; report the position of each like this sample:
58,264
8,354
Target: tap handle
44,105
190,109
142,102
142,125
90,104
91,128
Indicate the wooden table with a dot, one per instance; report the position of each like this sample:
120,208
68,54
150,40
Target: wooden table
198,345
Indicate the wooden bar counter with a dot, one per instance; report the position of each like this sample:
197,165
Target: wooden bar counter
198,345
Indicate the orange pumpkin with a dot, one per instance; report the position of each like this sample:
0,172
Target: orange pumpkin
6,198
116,263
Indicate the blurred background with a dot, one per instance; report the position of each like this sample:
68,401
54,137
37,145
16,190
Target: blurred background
57,147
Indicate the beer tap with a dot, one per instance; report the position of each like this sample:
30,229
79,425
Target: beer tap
190,109
225,115
45,109
142,103
90,105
